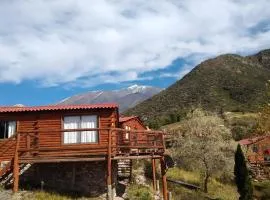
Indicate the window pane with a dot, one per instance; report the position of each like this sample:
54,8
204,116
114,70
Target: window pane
89,121
11,128
2,129
72,122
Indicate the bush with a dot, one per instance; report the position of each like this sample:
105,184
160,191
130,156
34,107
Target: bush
148,170
262,190
139,192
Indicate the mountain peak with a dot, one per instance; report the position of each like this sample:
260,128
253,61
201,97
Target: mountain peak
137,88
125,97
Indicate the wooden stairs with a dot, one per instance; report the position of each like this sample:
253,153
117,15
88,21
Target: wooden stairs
124,169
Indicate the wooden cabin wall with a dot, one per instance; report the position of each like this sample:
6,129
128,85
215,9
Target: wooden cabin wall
134,124
52,120
261,145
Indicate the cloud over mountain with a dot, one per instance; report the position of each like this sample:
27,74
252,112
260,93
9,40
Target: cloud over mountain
92,42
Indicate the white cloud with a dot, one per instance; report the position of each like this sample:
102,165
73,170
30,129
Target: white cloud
92,42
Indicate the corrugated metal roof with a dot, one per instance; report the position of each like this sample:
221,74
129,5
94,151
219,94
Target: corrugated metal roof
252,140
57,107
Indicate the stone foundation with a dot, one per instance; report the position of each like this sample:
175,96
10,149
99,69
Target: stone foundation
79,178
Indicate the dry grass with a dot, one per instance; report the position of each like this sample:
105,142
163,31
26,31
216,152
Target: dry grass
217,190
41,195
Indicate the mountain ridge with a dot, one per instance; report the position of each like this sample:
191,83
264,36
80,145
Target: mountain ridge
228,82
125,97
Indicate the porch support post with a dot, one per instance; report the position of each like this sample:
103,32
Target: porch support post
16,165
154,173
109,168
164,180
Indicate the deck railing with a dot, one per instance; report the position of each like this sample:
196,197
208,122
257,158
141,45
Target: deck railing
114,141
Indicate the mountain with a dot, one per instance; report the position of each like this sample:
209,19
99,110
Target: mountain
126,98
226,83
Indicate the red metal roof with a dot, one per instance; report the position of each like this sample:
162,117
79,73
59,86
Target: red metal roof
57,107
124,119
267,151
252,140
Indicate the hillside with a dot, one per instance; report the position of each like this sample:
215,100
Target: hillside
226,83
126,97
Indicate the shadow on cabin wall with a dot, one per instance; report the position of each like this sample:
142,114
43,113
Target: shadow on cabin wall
74,179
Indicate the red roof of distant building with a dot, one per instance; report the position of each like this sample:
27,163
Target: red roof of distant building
57,107
124,119
267,151
252,140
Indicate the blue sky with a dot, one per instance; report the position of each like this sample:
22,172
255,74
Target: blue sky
54,49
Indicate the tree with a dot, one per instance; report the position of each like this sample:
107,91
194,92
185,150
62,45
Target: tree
242,178
204,144
264,115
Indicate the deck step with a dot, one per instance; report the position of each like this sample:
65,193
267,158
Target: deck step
124,168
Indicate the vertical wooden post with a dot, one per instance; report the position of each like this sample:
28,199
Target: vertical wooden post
154,173
164,180
28,143
131,169
109,167
16,165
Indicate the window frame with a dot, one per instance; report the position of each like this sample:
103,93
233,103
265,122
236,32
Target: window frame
80,143
16,128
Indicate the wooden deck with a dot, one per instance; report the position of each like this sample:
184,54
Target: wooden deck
139,144
25,148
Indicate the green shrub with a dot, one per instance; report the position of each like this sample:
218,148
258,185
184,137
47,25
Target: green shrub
139,192
148,170
262,190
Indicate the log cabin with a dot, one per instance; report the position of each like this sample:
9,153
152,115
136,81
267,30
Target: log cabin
257,149
72,147
131,123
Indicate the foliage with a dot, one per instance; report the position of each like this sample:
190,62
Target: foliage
139,192
264,120
242,178
43,195
217,190
204,144
262,190
148,170
237,85
243,125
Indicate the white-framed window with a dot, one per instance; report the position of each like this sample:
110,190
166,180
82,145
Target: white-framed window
127,133
80,122
7,129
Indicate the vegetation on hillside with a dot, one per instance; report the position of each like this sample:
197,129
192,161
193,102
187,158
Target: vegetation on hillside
226,83
217,189
205,144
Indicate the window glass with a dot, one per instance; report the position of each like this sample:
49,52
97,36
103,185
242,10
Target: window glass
7,129
255,148
80,122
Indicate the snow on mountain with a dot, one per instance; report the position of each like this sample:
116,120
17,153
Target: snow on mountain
126,97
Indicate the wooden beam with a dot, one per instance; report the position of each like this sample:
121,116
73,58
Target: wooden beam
109,168
164,180
16,168
135,157
58,160
154,173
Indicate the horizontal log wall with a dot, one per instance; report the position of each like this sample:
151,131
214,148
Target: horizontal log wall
42,122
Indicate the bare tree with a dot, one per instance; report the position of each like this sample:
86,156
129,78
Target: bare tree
204,144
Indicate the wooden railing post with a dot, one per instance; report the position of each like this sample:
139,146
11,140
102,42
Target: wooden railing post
109,167
16,165
164,180
154,173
